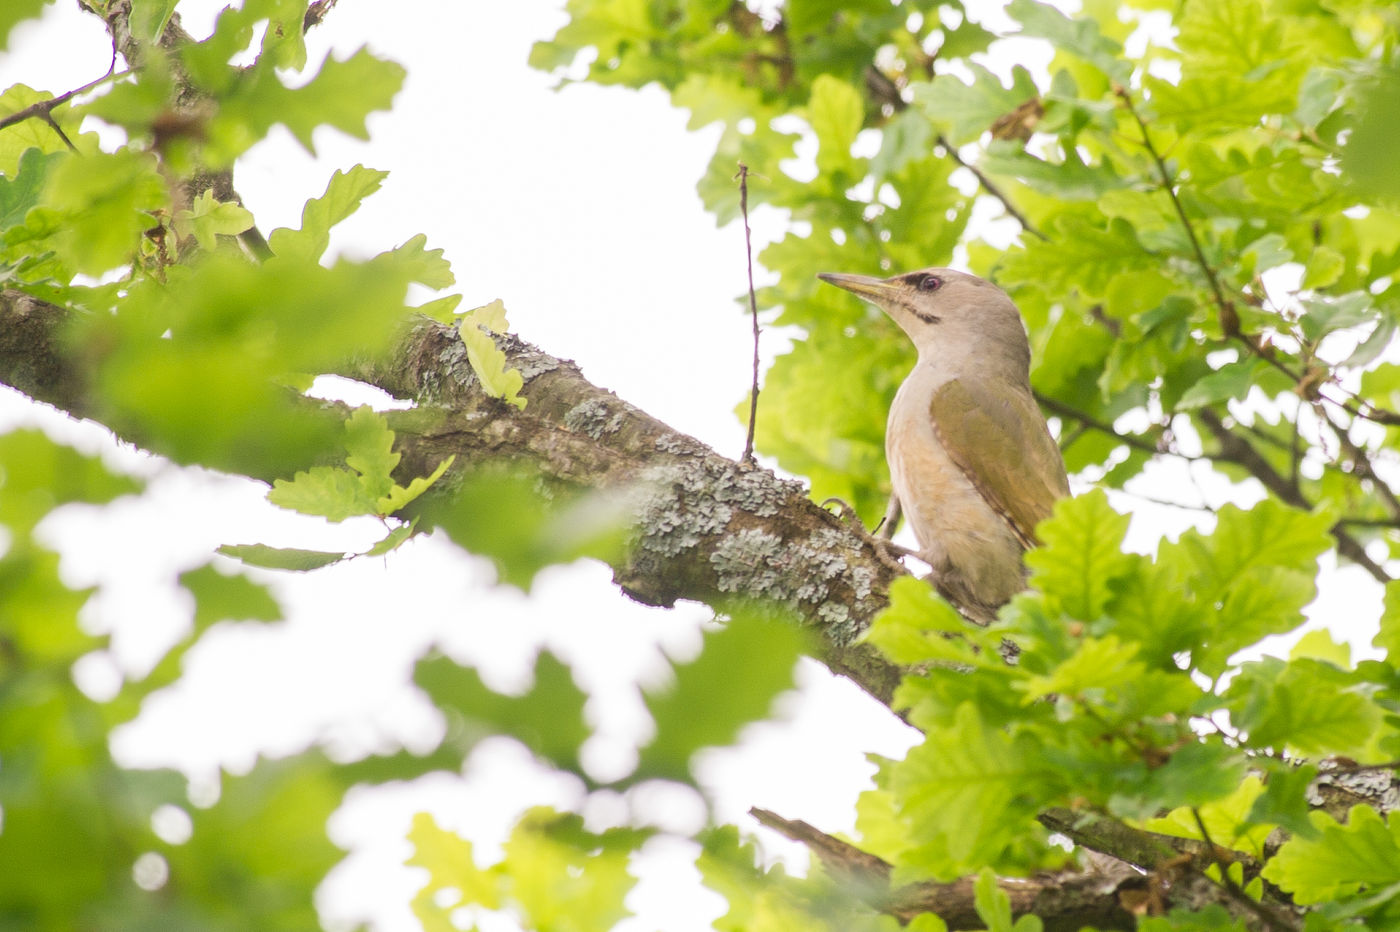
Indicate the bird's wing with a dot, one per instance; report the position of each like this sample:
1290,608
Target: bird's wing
999,440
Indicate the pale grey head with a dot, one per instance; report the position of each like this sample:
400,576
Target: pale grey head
949,315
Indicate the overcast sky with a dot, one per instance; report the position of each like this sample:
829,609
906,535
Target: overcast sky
578,209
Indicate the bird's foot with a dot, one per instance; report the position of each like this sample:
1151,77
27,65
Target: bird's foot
886,550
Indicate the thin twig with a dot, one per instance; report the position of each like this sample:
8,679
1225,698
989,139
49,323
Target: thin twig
1269,917
44,108
1168,503
47,117
1367,411
888,92
1057,407
990,187
1361,463
1229,317
1169,186
743,177
1370,522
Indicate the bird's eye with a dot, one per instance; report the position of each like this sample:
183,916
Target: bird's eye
929,283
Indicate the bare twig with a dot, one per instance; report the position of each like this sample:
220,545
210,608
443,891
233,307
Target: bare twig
1368,411
47,117
1204,507
743,176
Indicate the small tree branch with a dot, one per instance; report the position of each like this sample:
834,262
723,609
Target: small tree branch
1064,901
1061,409
1110,896
1228,316
1361,462
43,110
1238,451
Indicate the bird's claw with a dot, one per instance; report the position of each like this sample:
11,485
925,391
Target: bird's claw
887,550
843,509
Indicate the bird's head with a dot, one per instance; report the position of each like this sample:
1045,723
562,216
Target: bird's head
945,312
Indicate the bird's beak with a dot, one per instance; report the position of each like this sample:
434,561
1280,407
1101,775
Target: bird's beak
863,285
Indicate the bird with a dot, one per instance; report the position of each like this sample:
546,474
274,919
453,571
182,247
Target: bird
972,461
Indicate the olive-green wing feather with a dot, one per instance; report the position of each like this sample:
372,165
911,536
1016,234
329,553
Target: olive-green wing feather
998,438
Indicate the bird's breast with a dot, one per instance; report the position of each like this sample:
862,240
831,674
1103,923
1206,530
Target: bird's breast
957,530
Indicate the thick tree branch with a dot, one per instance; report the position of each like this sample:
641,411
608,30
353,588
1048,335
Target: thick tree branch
702,527
31,355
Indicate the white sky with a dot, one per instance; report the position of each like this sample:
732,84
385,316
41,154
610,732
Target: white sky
578,209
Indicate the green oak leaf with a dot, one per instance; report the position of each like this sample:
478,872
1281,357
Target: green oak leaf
207,219
16,11
344,193
280,558
487,360
330,492
109,200
740,671
548,718
218,597
1081,556
1342,860
424,266
369,449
